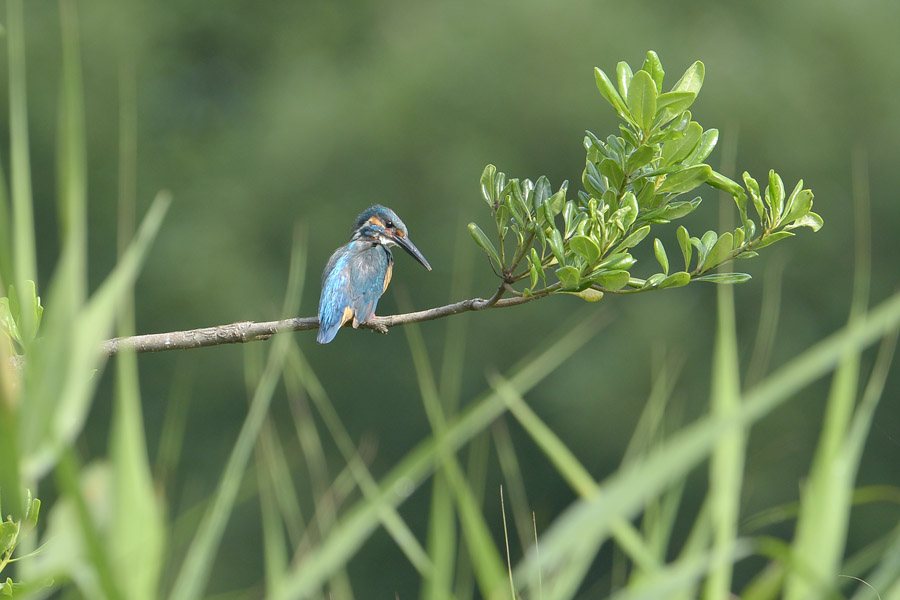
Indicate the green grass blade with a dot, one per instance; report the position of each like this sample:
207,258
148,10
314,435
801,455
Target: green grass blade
287,500
24,253
358,524
137,535
275,556
479,451
487,560
625,493
825,502
171,439
515,485
649,428
571,470
72,164
7,275
727,464
390,518
60,373
67,477
441,544
327,501
683,574
886,575
441,538
10,482
697,543
769,314
194,574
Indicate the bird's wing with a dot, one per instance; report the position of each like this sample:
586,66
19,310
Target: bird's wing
336,299
368,270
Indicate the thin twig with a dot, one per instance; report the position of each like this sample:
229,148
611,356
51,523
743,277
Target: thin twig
250,331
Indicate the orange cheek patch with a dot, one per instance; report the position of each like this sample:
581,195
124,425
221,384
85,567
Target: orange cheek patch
387,277
375,221
400,233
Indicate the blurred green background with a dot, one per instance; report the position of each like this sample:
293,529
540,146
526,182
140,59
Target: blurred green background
261,115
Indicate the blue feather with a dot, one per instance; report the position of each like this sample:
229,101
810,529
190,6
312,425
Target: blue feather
353,280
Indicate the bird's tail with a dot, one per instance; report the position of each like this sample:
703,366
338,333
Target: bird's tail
330,322
327,332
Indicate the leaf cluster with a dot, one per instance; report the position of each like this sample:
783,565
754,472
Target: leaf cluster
11,317
632,181
11,533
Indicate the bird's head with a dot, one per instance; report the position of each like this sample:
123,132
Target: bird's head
382,225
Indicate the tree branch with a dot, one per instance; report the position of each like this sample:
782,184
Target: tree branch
250,331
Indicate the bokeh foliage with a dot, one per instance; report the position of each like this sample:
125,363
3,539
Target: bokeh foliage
257,115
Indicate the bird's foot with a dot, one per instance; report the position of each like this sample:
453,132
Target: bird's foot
378,326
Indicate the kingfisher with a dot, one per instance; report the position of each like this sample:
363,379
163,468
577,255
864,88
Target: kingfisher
358,273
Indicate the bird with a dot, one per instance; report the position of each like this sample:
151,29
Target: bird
358,273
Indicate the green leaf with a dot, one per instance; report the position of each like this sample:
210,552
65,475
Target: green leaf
775,195
9,531
611,280
719,181
674,102
501,217
675,280
753,187
7,322
692,80
556,246
516,204
542,191
569,277
810,219
586,248
634,239
588,294
34,511
642,99
640,158
612,170
799,203
620,261
707,143
482,240
7,588
720,252
683,121
654,280
772,238
488,177
557,201
623,78
685,180
654,67
678,149
661,257
724,278
629,206
593,181
677,210
536,261
684,241
704,245
611,95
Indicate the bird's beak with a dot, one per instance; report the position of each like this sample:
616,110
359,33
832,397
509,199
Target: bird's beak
405,243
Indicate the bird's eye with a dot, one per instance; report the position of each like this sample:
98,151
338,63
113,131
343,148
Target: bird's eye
389,224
